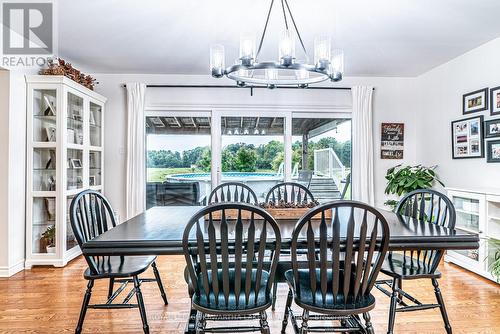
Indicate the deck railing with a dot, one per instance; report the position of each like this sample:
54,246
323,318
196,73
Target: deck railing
327,163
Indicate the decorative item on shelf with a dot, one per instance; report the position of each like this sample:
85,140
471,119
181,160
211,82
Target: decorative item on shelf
92,118
51,183
495,101
92,179
402,180
50,133
467,138
51,109
493,149
64,68
79,138
71,136
287,70
475,101
50,208
79,181
76,163
51,163
392,141
49,237
492,128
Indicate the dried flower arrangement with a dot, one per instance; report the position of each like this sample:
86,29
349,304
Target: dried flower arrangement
286,205
64,68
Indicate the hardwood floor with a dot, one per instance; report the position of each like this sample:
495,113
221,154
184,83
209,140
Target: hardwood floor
47,300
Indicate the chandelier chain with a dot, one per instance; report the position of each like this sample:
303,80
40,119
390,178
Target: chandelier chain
264,32
284,15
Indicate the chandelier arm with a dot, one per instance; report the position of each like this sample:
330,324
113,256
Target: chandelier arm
264,32
296,30
284,14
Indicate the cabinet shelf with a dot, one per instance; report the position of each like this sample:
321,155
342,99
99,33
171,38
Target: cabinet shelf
60,130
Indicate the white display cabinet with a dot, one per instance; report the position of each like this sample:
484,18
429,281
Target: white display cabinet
478,211
64,157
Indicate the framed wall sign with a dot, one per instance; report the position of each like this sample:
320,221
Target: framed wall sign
475,101
495,101
467,138
392,141
492,128
493,148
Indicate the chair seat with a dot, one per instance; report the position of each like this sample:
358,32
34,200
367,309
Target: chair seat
404,267
303,295
120,266
256,301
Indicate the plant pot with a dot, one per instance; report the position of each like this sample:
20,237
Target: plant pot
51,249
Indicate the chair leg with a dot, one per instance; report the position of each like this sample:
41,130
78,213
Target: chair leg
400,286
201,323
264,326
140,303
287,311
111,286
305,318
275,295
160,284
85,304
392,310
368,322
442,308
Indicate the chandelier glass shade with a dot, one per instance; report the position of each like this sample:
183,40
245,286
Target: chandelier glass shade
286,71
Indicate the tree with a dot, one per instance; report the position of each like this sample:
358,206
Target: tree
228,161
246,160
205,162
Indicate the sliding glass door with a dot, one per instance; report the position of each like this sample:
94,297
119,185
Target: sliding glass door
189,153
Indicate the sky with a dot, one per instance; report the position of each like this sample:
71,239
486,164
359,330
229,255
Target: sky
187,142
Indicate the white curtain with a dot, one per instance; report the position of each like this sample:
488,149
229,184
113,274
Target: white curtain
362,145
136,164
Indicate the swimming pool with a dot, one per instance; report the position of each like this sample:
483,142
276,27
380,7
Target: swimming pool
259,182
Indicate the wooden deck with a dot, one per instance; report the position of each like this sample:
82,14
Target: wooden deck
47,300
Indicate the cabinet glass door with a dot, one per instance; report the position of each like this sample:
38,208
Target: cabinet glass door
467,213
44,169
70,236
43,225
75,119
44,115
95,122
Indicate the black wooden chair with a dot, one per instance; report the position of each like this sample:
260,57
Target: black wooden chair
336,284
289,193
435,208
286,193
90,216
228,276
232,192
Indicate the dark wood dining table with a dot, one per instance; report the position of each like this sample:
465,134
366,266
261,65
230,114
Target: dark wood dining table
159,231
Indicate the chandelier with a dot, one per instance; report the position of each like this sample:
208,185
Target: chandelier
287,71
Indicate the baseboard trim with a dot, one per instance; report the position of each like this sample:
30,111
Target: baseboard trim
12,270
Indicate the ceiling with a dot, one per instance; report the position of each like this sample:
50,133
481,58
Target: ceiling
380,38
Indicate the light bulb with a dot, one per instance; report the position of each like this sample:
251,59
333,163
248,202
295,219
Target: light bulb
287,48
338,61
247,49
217,60
322,52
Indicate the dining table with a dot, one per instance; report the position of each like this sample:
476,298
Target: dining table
159,231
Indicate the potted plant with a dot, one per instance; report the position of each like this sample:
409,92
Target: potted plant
495,265
404,179
49,237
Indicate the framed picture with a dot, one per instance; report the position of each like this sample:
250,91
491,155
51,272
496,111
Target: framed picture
493,148
475,101
76,163
92,180
495,101
92,118
492,128
51,110
392,141
467,138
50,132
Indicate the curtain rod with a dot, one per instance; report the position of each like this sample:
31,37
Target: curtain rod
247,87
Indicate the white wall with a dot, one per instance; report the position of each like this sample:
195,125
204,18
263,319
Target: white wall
4,175
440,102
391,104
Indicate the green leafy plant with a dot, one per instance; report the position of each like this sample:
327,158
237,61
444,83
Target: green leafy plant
495,265
50,236
404,179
